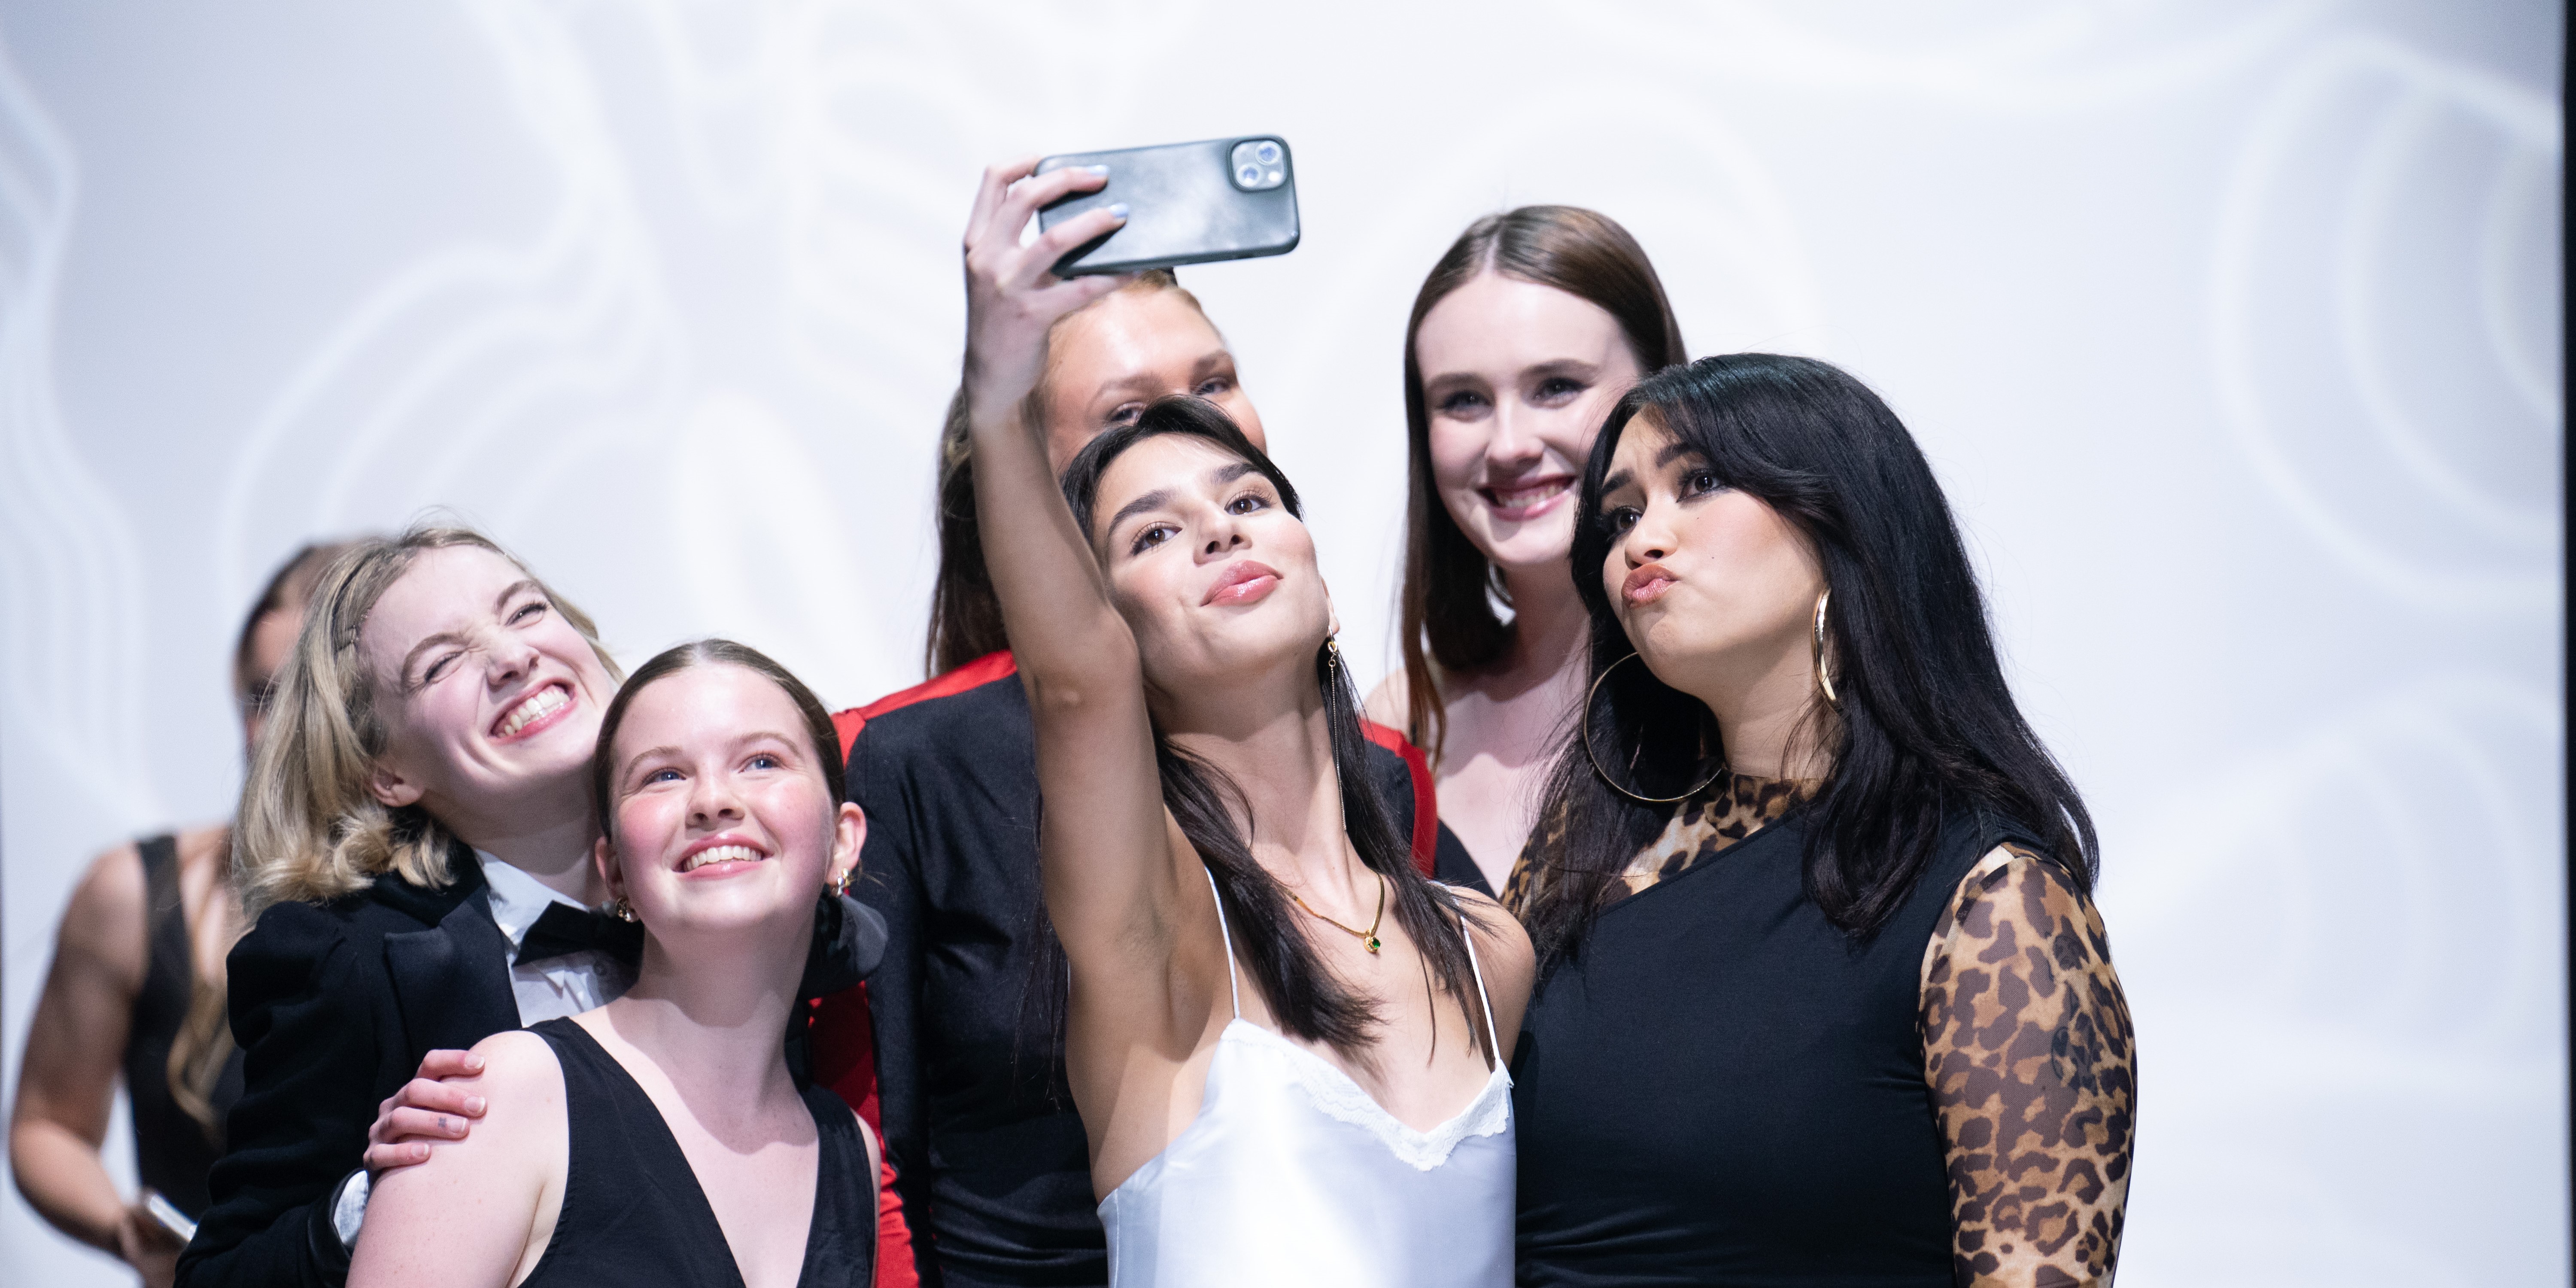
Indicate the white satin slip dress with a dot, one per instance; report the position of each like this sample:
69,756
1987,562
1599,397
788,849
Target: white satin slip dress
1291,1174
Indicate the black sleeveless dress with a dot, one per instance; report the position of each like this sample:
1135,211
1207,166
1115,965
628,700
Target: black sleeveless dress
1722,1088
632,1209
172,1151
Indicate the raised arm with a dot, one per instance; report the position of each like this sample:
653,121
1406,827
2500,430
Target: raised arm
1108,848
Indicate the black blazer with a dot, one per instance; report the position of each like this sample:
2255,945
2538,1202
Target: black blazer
333,1006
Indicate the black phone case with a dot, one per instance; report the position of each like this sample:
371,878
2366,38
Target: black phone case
1182,207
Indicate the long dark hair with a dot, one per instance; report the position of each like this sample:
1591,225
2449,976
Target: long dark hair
1450,587
1308,1000
965,614
1926,725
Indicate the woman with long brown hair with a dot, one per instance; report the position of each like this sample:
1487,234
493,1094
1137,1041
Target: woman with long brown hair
137,985
1526,331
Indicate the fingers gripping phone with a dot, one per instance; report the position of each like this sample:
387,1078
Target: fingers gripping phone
1187,203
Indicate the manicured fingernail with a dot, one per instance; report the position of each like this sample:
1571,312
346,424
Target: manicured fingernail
1118,211
474,1104
1097,169
453,1126
474,1063
419,1152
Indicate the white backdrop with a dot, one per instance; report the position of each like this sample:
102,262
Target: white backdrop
2232,327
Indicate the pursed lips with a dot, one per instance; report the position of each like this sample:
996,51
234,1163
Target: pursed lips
1243,581
1647,584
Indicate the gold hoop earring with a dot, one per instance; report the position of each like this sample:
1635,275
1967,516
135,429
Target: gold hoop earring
623,911
1588,750
1824,679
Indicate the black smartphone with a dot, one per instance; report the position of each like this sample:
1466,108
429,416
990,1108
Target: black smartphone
1187,203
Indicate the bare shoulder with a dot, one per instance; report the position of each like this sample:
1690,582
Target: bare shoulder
517,1062
1391,702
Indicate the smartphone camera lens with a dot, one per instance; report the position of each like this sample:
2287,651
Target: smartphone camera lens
1258,165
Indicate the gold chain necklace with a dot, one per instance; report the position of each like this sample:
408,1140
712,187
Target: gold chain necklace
1368,937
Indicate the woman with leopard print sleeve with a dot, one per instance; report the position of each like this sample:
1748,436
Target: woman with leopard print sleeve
1825,999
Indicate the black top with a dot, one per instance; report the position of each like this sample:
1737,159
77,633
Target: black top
633,1212
172,1151
333,1006
1722,1088
989,1154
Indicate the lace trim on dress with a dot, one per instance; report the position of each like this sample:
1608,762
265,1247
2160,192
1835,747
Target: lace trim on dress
1344,1100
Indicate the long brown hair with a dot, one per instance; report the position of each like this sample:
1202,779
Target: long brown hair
965,614
309,829
1449,623
204,1041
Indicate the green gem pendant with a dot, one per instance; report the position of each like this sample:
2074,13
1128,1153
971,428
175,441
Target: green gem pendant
1369,943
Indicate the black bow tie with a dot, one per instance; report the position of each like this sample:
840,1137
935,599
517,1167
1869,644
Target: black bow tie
562,929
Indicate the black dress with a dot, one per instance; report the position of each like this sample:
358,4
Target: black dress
633,1212
1723,1088
989,1154
172,1152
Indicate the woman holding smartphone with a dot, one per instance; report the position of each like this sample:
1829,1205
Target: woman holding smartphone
1524,334
962,1022
659,1138
1287,1044
1872,1035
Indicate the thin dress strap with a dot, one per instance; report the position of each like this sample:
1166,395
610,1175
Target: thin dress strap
1492,1036
1233,991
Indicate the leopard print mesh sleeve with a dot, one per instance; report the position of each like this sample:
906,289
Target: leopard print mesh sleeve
2031,1062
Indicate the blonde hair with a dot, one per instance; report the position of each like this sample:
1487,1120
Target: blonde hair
965,614
204,1042
310,830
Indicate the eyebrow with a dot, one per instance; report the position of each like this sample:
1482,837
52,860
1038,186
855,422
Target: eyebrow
499,602
740,742
1153,500
1160,497
647,754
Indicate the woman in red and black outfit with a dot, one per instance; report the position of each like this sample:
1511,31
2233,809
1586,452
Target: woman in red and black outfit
990,1161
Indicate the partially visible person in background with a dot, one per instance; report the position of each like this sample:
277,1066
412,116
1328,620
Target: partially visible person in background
137,986
1527,330
1824,996
965,1060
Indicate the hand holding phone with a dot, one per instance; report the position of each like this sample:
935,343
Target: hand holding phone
1187,203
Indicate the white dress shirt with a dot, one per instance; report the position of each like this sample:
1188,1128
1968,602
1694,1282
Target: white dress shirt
557,986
